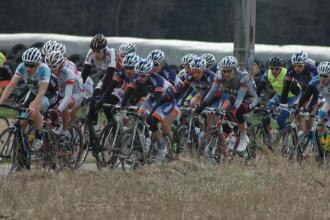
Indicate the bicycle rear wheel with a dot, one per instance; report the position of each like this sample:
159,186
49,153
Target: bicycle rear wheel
6,143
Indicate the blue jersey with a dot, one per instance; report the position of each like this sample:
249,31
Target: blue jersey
154,86
173,78
202,85
32,81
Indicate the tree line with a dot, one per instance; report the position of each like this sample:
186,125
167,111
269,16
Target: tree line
278,22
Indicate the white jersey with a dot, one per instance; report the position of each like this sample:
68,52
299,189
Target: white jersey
108,61
69,76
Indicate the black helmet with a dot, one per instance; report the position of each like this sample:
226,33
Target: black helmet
275,62
98,43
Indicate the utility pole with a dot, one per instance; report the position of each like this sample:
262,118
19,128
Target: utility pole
244,32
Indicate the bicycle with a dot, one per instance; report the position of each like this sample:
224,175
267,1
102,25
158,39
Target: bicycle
136,144
188,132
220,142
20,145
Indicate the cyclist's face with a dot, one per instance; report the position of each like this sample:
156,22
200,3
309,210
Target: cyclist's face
99,55
143,78
56,70
187,68
157,67
228,73
31,68
298,67
324,79
197,73
275,70
129,71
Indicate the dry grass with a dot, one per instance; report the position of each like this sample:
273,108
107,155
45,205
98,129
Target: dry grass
271,189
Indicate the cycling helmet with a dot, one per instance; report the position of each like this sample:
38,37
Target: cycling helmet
228,61
60,47
31,55
48,47
186,59
275,62
127,48
98,43
157,56
299,58
198,63
324,68
144,66
131,59
209,58
54,59
310,61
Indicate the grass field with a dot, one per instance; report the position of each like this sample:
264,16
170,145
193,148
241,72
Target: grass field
270,189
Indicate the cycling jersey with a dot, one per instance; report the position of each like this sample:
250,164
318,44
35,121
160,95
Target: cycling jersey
303,79
240,87
42,74
276,83
108,61
174,79
201,86
158,89
70,82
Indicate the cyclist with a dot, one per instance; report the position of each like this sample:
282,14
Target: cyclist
302,72
70,87
199,82
159,103
158,56
118,86
275,76
324,89
185,62
43,89
104,58
210,59
5,73
124,49
236,83
47,48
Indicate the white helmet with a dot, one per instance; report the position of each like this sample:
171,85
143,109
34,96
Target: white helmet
48,47
198,63
324,68
228,61
60,47
131,59
127,48
157,56
186,59
299,58
54,59
31,55
209,58
144,66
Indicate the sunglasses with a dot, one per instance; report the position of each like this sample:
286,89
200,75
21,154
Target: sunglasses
143,75
129,67
156,64
324,76
298,65
30,65
98,51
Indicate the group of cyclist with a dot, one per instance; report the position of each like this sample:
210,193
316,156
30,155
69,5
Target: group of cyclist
55,83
